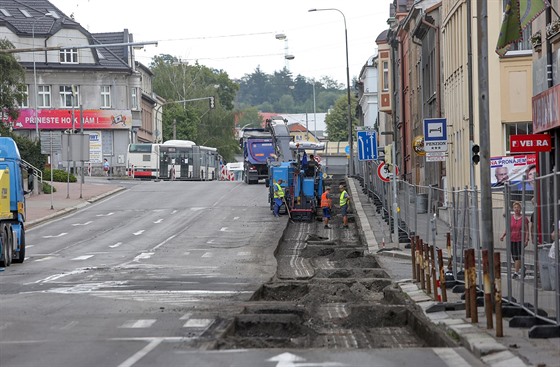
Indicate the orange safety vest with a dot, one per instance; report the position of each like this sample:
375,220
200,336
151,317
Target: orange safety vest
325,202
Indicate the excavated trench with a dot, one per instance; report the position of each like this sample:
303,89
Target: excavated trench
329,293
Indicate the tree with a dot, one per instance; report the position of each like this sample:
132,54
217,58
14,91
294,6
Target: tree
12,83
250,117
337,119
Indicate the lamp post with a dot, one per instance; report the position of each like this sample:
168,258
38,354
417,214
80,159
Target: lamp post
35,72
287,56
350,137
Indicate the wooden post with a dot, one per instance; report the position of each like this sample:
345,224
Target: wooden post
472,285
442,276
498,295
413,254
427,268
467,293
433,265
422,275
487,290
449,254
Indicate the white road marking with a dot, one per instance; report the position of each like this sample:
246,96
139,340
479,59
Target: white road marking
158,221
198,323
144,255
46,258
58,276
104,215
450,357
141,353
83,257
186,316
116,245
70,325
208,254
223,229
174,211
58,235
243,253
139,232
236,218
164,242
82,224
210,242
138,324
29,246
187,253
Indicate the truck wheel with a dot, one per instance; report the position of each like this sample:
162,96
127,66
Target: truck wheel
21,253
7,247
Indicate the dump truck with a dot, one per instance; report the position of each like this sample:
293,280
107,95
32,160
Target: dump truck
257,148
12,204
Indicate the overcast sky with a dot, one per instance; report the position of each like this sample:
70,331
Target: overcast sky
239,36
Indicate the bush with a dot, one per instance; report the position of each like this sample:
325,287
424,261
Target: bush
58,175
47,188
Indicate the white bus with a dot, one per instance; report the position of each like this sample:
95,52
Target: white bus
184,160
142,160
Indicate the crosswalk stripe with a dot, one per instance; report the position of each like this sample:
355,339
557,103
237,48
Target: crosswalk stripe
198,323
83,257
138,324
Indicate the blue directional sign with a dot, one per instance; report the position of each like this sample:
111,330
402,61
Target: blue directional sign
435,135
367,145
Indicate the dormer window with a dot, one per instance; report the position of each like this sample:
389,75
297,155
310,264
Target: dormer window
25,13
69,56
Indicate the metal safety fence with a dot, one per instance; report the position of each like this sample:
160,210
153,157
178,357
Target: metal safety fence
524,238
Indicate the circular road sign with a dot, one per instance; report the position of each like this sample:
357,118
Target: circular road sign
383,172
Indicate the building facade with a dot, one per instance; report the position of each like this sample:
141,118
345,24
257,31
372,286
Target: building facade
74,82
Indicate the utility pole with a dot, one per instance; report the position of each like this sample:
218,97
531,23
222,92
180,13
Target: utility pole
487,235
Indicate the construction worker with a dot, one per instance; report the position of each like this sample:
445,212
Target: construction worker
344,198
278,197
326,204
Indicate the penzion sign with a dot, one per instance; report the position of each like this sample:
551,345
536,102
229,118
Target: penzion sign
530,143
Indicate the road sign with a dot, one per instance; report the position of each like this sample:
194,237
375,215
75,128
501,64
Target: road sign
530,143
383,172
367,145
347,150
436,157
435,135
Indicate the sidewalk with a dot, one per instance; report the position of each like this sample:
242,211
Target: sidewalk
514,349
67,198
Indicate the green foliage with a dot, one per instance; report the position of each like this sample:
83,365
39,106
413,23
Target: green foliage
47,188
337,119
194,120
59,175
282,93
250,118
29,150
12,82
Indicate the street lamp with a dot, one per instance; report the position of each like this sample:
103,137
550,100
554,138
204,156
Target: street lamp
350,138
287,56
48,14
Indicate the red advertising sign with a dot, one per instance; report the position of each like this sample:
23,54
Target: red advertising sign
531,143
546,110
62,119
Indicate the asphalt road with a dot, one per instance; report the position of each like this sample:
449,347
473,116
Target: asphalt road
156,263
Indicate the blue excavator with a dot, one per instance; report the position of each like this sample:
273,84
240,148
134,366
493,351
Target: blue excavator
302,177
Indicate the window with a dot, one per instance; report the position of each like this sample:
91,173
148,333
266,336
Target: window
385,76
43,96
5,12
105,96
134,98
69,56
522,128
69,94
25,13
24,103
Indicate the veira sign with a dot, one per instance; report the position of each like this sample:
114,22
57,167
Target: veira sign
531,143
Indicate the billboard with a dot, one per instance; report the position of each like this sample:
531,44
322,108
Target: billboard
512,169
62,119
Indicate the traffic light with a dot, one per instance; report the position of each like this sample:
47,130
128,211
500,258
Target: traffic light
475,151
212,104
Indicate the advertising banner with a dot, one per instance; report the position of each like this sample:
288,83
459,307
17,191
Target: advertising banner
62,119
95,147
512,169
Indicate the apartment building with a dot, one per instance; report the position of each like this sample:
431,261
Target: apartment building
78,80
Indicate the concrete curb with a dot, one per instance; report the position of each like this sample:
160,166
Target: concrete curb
69,210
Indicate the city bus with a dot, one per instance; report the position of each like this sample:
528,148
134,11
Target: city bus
184,160
142,160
